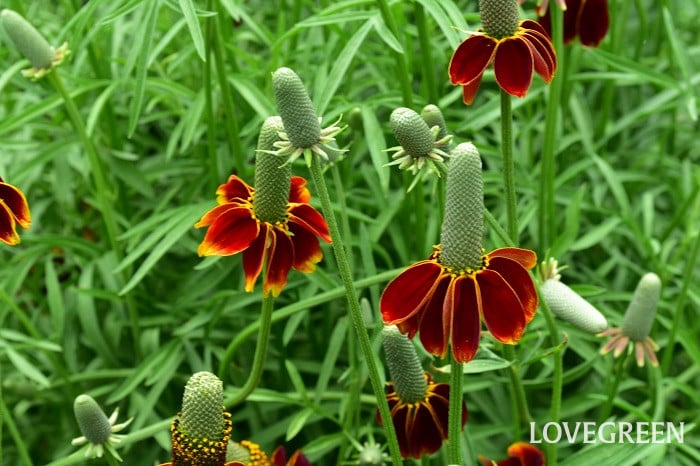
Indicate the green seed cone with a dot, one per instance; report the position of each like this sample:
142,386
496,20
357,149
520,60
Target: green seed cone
432,116
463,227
568,305
499,17
202,415
272,175
27,39
641,311
404,366
92,421
412,132
296,109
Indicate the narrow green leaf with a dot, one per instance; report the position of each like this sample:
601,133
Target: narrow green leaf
596,234
336,341
297,423
28,369
190,14
145,36
296,379
376,144
54,299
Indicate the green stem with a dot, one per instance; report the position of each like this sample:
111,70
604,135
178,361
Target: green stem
508,166
454,417
618,370
15,434
426,53
521,413
355,311
547,219
399,58
260,352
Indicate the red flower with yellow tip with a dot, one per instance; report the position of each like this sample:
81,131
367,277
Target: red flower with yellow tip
516,49
519,454
247,453
291,242
586,19
14,211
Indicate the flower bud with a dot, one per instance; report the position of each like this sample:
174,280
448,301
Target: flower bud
272,175
296,109
371,454
432,116
93,422
568,305
499,17
27,39
463,227
641,311
412,132
404,366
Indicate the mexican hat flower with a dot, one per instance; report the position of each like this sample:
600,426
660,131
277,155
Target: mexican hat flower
586,19
637,323
419,406
271,224
247,453
446,296
14,211
516,49
519,454
99,431
201,431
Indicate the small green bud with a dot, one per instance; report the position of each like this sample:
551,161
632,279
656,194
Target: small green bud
371,454
355,120
499,17
202,414
296,109
93,422
432,116
404,366
568,305
272,175
27,39
641,311
412,132
463,227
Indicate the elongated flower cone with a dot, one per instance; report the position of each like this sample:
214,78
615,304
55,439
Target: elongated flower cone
296,109
27,39
641,311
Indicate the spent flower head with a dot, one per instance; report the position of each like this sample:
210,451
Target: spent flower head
99,431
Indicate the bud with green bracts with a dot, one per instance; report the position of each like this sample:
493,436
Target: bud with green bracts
92,421
300,120
641,311
569,306
412,132
27,39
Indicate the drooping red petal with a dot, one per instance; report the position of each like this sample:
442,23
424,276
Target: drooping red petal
543,54
462,302
230,233
280,256
298,459
215,213
8,231
531,25
593,22
14,199
298,192
279,456
399,414
513,66
469,90
426,431
524,257
434,330
442,391
307,251
406,294
310,218
571,20
234,188
254,256
528,455
471,58
502,311
519,279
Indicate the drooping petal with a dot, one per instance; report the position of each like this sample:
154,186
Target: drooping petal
14,199
469,90
434,330
230,233
519,279
308,217
524,257
471,58
254,256
209,217
279,456
8,231
406,294
543,54
593,22
234,188
513,66
280,257
307,251
462,302
571,20
528,455
298,192
298,459
426,430
502,311
399,416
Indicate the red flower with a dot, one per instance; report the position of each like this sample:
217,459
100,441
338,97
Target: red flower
514,57
14,211
292,243
587,19
421,427
441,304
519,454
279,458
